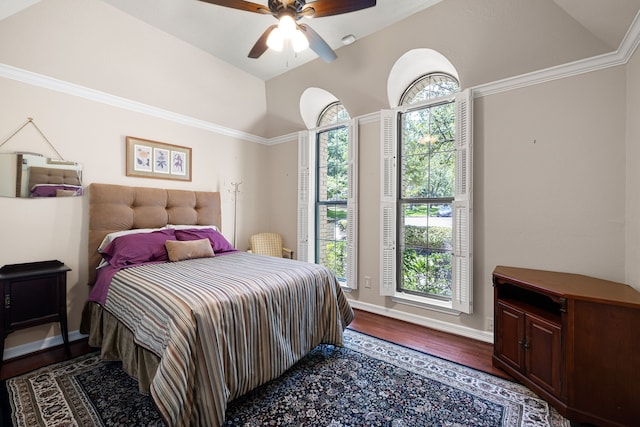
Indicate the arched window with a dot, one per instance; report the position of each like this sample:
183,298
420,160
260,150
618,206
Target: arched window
332,114
327,209
332,166
425,196
428,87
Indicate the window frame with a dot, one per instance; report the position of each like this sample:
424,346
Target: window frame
307,188
462,233
317,202
403,201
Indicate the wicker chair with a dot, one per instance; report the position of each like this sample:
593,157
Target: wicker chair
269,244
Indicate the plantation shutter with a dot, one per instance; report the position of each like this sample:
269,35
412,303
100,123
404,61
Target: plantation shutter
352,205
462,277
304,193
389,151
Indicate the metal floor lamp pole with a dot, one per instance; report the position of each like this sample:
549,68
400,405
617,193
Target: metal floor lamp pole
236,190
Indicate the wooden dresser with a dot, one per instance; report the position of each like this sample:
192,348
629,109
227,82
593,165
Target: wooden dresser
573,339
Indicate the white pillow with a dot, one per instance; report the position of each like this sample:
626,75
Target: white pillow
187,226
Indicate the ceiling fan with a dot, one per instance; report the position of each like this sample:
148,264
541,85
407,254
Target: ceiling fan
288,13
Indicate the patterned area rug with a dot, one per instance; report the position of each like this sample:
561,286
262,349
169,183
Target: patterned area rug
369,382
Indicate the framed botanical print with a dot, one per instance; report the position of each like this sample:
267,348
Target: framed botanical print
153,159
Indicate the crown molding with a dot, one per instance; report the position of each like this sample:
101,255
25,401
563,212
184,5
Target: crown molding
40,80
281,139
620,57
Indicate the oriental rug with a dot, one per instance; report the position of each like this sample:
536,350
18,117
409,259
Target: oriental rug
369,382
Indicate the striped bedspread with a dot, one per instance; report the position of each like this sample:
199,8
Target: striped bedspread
225,325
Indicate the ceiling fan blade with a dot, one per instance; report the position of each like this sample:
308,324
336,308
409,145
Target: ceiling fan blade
336,7
261,45
317,44
240,5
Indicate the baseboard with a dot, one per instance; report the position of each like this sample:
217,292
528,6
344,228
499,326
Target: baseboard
424,321
32,347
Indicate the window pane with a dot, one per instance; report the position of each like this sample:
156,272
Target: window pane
332,165
442,126
333,113
429,87
425,248
332,238
441,174
415,176
428,154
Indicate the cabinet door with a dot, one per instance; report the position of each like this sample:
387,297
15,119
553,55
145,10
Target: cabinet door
543,353
510,335
33,300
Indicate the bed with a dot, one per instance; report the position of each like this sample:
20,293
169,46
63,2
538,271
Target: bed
203,330
54,182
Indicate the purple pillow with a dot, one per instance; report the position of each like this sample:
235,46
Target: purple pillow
218,242
134,249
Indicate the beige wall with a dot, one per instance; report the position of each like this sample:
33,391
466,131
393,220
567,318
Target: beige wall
566,202
556,203
469,33
90,44
633,172
95,45
550,179
283,192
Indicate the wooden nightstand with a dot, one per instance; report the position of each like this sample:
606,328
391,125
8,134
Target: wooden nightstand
33,294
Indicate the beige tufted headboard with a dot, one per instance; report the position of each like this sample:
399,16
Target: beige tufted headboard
119,207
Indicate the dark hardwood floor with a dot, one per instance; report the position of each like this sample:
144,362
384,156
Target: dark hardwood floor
29,362
466,351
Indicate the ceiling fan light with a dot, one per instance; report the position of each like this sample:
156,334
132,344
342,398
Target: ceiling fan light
299,41
275,40
288,26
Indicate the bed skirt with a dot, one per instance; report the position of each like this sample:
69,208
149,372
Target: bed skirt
116,343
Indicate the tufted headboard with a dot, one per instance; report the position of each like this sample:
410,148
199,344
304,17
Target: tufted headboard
119,207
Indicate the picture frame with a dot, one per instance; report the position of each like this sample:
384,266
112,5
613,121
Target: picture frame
153,159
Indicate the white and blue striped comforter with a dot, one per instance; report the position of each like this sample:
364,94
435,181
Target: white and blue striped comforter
225,325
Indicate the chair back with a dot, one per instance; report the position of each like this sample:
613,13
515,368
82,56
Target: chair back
266,244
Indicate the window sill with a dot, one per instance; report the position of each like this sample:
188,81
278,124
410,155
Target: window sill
344,286
425,302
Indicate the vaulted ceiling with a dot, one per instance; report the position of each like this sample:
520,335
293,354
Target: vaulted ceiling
229,34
